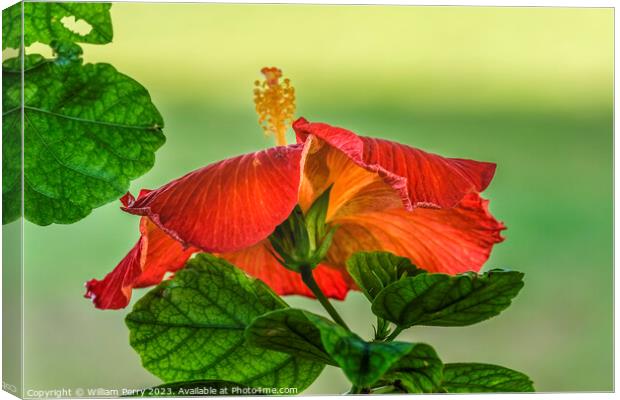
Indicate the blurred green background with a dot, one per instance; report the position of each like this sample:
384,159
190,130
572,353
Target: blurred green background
527,88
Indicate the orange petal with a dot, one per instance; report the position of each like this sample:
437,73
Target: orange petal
228,205
354,189
145,265
420,179
450,240
259,262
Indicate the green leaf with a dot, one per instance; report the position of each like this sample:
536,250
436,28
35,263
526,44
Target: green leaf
290,331
15,65
362,362
373,271
12,26
45,22
11,146
419,371
195,388
89,130
445,300
192,328
477,378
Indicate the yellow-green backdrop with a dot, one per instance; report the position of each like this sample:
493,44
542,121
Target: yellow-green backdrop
527,88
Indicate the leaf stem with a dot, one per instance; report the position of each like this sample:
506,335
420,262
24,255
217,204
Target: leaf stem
394,333
308,279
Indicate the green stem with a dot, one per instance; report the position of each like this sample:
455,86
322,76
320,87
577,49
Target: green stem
308,279
394,333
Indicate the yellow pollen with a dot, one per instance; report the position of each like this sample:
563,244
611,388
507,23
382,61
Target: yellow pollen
275,104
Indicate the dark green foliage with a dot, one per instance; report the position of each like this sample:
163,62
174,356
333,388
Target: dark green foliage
445,300
214,323
192,328
364,363
290,331
477,378
373,271
89,130
419,371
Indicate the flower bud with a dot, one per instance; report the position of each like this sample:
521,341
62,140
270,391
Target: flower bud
304,239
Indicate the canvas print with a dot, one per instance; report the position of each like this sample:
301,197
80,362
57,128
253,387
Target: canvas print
257,199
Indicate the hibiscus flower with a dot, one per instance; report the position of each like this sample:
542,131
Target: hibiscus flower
383,196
